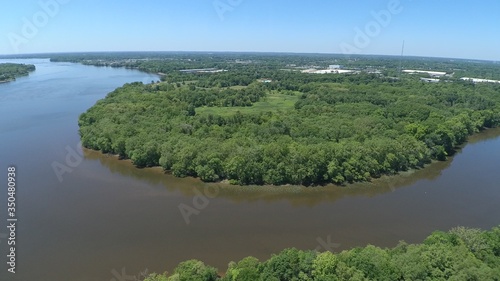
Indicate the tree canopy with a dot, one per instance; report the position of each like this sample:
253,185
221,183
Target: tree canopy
9,71
301,128
460,254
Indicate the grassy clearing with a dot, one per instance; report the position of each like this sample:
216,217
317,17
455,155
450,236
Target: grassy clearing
238,87
273,101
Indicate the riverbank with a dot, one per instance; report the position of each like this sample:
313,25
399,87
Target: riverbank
296,195
384,183
7,80
468,252
9,71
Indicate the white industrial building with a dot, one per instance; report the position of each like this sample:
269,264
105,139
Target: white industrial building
431,73
479,80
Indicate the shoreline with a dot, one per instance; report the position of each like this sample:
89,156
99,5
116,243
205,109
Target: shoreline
383,178
7,81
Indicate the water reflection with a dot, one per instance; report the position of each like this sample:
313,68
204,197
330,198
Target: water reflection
296,195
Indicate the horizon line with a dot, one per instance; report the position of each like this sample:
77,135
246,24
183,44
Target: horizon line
242,52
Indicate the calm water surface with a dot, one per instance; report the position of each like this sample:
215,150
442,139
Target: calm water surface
106,217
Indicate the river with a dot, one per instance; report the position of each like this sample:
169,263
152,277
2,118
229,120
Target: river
94,217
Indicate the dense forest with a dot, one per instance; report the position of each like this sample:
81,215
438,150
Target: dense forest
9,71
294,128
460,254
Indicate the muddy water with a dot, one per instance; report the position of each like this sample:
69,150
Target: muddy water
104,219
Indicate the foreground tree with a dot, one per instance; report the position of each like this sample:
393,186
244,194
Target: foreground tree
460,254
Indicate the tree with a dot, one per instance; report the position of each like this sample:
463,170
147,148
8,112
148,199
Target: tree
324,267
193,270
248,269
374,262
290,264
460,254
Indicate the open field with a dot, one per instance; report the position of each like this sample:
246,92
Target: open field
272,102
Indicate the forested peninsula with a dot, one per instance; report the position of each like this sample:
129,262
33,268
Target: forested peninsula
460,254
279,120
9,71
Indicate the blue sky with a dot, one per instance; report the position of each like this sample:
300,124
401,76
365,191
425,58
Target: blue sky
445,28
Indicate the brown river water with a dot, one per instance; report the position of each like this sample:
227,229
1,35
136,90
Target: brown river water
100,218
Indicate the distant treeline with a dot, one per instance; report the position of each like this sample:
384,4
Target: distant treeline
262,63
9,71
341,129
460,254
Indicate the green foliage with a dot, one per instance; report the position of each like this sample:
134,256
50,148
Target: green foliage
248,269
193,270
441,261
473,239
290,264
9,71
299,129
325,267
460,254
372,261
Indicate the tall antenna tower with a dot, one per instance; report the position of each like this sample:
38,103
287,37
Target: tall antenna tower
401,59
